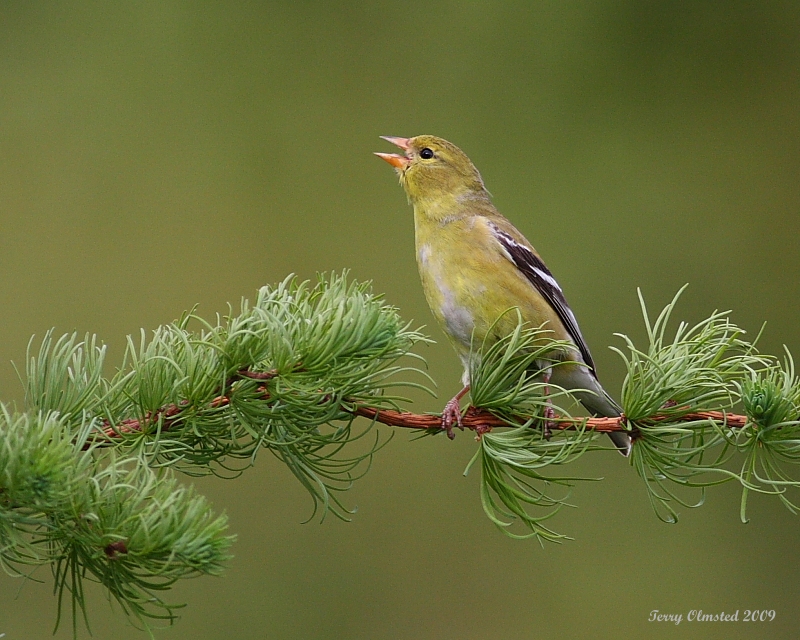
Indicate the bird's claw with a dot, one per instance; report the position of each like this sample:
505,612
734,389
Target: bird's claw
451,416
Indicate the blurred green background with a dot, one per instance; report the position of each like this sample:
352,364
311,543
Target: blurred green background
157,155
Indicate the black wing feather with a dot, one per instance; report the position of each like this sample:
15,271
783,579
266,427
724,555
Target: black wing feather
541,278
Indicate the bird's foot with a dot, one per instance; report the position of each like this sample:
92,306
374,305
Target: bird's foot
451,416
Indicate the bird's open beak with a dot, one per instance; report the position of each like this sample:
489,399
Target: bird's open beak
395,159
398,142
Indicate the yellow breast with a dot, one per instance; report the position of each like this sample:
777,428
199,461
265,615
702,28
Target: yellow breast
469,283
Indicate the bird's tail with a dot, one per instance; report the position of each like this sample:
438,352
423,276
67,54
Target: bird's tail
583,384
602,404
622,441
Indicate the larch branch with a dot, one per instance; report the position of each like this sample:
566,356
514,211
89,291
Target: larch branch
474,419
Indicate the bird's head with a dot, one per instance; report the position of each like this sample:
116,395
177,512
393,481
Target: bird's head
433,170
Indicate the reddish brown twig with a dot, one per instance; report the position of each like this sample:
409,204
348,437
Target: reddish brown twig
170,412
479,420
475,419
259,375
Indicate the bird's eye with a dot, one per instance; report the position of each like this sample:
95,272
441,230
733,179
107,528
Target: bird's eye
426,154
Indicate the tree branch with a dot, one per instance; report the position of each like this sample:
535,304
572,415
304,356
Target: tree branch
481,421
474,419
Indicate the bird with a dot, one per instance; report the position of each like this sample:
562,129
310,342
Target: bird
475,265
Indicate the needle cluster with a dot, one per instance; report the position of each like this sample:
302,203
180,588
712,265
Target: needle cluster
701,404
86,469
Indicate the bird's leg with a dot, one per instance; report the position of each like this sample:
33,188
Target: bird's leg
451,415
549,413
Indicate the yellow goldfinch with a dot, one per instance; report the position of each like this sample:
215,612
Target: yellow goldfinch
475,265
